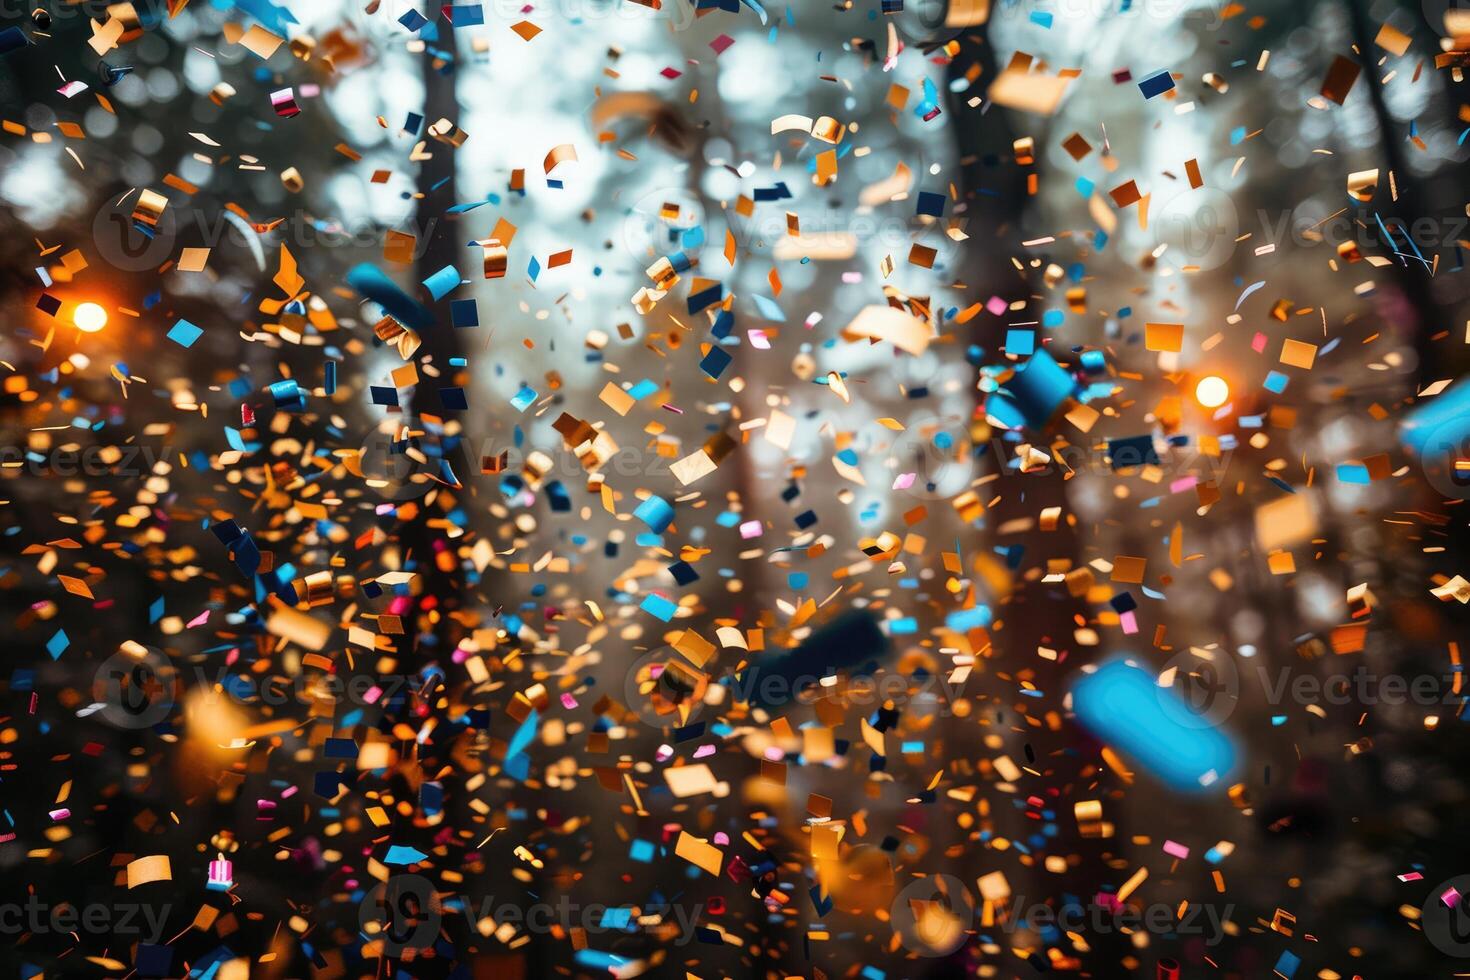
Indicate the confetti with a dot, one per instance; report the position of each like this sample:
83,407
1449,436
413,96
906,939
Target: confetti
867,491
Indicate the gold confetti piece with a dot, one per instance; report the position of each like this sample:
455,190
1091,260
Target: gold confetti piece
1392,40
149,869
193,259
558,155
699,853
1164,336
1341,77
690,780
967,13
904,330
297,627
1298,354
1019,88
261,42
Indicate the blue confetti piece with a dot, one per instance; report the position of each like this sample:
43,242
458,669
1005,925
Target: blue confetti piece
524,735
524,398
185,333
657,513
642,389
715,362
443,282
658,607
1156,84
403,854
58,643
1124,707
1021,342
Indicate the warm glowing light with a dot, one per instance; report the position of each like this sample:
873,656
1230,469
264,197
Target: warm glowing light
90,318
1212,392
